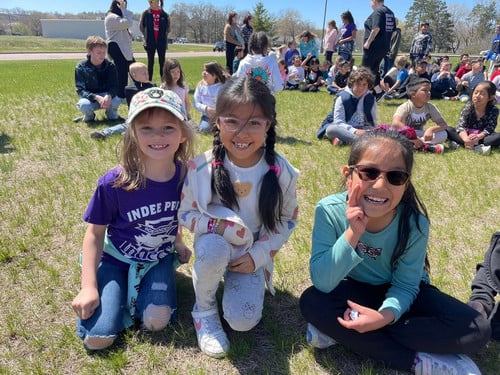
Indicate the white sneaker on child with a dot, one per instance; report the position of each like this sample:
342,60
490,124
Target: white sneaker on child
211,337
482,149
318,339
445,364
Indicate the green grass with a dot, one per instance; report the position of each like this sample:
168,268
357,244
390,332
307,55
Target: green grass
48,170
34,44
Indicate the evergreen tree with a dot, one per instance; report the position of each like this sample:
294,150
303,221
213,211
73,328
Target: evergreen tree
262,21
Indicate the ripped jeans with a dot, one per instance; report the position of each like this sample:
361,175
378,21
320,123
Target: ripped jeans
157,289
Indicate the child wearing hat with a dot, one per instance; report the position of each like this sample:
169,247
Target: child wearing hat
133,241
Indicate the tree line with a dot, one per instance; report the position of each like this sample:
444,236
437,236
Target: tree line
455,28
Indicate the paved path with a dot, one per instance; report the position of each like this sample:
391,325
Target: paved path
80,56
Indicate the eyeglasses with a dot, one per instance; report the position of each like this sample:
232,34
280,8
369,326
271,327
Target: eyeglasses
366,173
253,125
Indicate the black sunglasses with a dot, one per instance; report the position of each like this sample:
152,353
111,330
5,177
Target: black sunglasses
366,173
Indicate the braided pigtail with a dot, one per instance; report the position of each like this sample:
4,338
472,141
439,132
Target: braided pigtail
271,196
221,181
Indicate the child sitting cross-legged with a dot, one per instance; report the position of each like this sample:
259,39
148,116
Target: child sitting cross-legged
339,82
354,110
416,112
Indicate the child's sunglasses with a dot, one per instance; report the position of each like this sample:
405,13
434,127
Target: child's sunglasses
367,173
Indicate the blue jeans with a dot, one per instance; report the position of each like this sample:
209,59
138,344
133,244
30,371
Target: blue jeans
157,288
88,108
115,129
205,125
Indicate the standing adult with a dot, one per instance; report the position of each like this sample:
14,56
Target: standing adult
393,51
347,35
494,52
331,40
233,38
155,26
421,44
246,31
377,39
117,25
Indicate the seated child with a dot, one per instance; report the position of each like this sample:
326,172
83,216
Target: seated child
354,110
416,112
296,74
478,120
291,52
486,285
470,80
324,68
396,76
313,80
283,70
339,83
444,82
140,81
259,64
239,53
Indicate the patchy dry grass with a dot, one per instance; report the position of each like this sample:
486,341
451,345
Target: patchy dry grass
48,170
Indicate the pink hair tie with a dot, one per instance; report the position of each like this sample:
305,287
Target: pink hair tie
216,163
275,169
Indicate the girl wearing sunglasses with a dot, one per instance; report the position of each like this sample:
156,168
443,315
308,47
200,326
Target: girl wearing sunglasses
371,289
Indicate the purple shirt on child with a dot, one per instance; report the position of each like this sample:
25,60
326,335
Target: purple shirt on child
142,224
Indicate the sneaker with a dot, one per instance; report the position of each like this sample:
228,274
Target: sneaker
318,339
337,142
211,337
482,149
444,364
97,135
454,145
435,149
89,120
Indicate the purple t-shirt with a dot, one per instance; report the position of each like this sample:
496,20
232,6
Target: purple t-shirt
346,30
142,224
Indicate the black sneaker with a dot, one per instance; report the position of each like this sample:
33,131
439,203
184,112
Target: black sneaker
97,135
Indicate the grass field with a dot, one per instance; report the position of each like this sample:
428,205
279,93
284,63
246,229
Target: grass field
19,44
48,170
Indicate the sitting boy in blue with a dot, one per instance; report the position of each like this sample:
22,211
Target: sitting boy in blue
354,110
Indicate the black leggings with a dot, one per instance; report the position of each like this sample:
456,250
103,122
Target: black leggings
435,322
122,66
490,140
162,50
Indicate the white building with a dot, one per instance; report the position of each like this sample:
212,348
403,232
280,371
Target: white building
77,29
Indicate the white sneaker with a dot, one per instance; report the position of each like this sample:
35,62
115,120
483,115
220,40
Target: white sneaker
211,337
318,339
482,149
445,364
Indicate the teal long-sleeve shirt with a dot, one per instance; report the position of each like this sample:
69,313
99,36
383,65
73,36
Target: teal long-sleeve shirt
334,259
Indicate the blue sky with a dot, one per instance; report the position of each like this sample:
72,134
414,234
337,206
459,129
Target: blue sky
359,8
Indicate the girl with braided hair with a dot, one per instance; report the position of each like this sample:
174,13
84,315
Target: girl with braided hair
239,199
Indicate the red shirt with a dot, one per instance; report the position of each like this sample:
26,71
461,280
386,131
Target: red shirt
495,73
462,70
156,21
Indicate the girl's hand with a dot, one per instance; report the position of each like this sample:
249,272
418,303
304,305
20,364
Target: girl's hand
183,251
367,319
210,111
245,264
355,213
86,302
428,135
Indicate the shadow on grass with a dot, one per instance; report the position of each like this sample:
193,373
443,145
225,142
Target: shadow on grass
292,141
5,146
